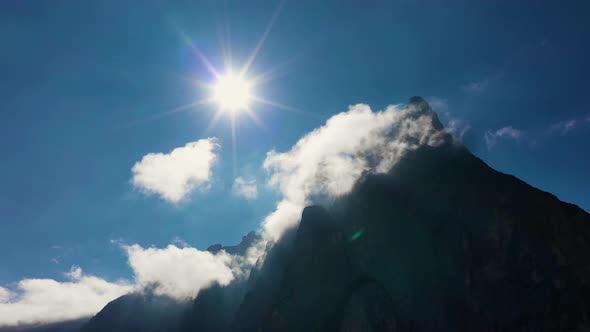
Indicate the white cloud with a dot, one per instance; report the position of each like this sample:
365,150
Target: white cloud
5,295
245,188
176,272
179,272
174,175
48,300
331,158
491,137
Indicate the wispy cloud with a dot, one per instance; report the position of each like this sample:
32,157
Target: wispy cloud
174,175
491,136
438,104
455,126
245,188
477,86
563,127
458,128
484,84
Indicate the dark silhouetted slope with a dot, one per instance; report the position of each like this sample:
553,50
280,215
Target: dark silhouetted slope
443,242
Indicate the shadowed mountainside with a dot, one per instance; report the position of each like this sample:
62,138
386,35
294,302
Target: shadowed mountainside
443,242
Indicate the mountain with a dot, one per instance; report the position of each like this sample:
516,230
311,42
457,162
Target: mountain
442,242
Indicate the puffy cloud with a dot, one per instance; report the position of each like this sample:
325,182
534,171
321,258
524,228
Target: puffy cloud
178,272
245,188
328,161
172,176
48,300
491,137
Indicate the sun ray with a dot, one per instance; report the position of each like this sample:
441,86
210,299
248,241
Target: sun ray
184,108
234,143
262,39
213,121
200,55
282,106
226,40
179,109
270,74
255,118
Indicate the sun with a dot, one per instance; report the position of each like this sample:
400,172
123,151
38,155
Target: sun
232,93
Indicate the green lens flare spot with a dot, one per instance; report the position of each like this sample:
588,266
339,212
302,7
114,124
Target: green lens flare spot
357,235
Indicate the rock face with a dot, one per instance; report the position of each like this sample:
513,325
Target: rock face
240,249
441,243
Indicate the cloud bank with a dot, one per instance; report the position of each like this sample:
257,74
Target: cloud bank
329,160
174,175
48,300
245,188
176,272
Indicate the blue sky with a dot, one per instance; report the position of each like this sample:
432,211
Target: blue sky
84,86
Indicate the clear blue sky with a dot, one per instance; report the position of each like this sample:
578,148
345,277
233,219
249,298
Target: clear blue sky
82,83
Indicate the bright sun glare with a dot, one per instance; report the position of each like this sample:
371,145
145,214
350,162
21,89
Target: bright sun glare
232,93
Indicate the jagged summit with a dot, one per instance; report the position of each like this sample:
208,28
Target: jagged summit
239,249
422,105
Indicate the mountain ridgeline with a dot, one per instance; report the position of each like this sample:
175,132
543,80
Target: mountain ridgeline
440,243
